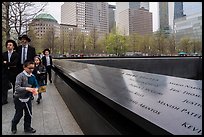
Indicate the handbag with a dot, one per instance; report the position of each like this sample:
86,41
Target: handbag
42,89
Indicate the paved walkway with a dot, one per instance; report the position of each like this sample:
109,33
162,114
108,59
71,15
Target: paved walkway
50,117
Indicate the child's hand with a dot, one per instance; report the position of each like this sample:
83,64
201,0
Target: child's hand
35,92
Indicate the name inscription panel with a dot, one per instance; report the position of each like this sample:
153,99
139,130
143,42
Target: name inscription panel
174,104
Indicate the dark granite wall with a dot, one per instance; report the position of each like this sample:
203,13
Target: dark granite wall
190,67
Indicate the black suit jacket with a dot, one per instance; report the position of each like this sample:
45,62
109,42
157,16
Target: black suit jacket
44,61
31,53
13,62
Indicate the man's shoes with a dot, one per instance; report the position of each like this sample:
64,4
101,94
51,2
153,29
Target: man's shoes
13,129
29,130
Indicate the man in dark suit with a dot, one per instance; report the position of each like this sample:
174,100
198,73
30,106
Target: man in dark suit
10,60
4,82
25,51
47,62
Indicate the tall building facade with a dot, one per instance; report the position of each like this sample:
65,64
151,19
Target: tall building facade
121,6
111,13
44,23
178,10
132,16
163,16
86,16
190,25
135,21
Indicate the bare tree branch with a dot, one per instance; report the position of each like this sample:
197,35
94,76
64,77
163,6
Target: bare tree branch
21,14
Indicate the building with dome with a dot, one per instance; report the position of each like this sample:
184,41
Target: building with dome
44,23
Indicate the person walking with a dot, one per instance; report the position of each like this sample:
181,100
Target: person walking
47,62
10,60
4,81
26,85
25,51
40,74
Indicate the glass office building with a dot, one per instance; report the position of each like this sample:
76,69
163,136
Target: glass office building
178,10
191,24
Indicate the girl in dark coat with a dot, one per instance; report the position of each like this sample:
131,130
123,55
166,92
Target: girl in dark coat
40,74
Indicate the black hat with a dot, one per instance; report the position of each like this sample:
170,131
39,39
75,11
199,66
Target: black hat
12,41
46,50
25,37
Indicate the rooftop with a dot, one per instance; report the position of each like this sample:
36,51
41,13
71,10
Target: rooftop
45,16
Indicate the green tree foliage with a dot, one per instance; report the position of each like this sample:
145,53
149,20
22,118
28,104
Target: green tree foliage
196,46
161,41
116,44
184,44
133,42
171,45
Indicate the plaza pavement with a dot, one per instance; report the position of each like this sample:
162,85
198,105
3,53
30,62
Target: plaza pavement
50,117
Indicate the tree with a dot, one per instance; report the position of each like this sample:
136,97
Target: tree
133,42
34,40
196,46
171,44
102,43
73,36
145,44
160,36
5,19
62,39
20,14
116,44
48,40
80,42
70,42
184,44
94,37
64,42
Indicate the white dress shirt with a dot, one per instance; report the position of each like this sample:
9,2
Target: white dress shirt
48,60
26,49
9,55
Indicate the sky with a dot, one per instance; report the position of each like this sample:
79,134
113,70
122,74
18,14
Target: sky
54,9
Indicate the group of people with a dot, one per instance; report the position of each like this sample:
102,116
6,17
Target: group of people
27,71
